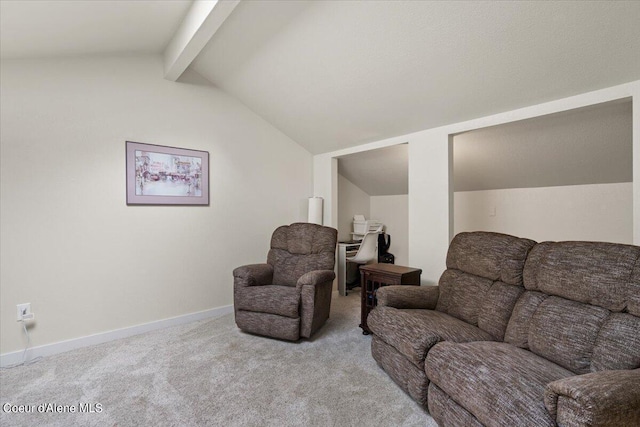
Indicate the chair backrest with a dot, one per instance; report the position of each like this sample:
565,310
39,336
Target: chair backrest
368,249
299,248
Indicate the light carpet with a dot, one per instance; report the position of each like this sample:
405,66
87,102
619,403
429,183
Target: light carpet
209,373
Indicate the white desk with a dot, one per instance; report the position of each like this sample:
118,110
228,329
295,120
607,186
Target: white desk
345,250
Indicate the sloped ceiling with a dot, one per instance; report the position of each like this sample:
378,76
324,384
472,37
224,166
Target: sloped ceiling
590,145
65,28
381,172
334,74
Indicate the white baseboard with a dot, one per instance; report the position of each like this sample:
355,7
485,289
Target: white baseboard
13,358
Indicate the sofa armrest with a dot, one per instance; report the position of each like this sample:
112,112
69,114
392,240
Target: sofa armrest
316,277
606,398
253,275
315,300
401,296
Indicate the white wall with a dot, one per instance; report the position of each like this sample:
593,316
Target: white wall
351,200
601,212
69,244
393,212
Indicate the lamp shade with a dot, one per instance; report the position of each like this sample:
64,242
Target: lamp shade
315,210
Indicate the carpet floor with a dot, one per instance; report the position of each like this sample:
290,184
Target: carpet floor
209,373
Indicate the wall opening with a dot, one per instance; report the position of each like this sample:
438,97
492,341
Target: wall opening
375,183
562,176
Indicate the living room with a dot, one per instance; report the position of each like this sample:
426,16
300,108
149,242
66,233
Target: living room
275,94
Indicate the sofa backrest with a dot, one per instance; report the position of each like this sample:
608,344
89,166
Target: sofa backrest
581,307
483,279
299,248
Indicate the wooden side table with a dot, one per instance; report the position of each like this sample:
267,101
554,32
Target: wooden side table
374,276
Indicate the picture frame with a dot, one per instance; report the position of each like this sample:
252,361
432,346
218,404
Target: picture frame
161,175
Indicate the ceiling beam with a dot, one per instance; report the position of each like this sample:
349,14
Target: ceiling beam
202,21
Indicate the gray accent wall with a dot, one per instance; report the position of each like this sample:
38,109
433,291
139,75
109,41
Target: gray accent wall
578,147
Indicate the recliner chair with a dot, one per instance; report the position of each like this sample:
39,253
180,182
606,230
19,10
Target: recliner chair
290,296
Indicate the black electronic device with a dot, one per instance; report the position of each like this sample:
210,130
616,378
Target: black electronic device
384,243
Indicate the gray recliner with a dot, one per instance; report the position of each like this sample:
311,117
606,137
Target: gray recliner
290,296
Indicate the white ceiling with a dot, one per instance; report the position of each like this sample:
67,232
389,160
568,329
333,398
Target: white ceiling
50,28
334,74
381,172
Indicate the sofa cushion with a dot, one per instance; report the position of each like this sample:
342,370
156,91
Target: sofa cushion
565,332
288,267
270,325
461,295
483,279
494,256
408,376
281,300
446,411
517,332
497,307
602,274
414,332
498,383
478,301
633,303
618,344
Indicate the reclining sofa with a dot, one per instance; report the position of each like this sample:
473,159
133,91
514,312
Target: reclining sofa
518,334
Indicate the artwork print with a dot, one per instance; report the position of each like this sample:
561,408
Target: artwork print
166,175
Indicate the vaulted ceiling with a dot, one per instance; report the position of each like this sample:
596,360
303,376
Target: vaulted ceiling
335,74
58,28
380,172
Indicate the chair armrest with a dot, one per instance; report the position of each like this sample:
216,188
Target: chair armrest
401,296
316,277
606,398
315,300
253,275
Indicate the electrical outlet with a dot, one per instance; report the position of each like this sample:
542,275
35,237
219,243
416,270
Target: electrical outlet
23,310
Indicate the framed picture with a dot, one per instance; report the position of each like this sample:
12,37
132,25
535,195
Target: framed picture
159,175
